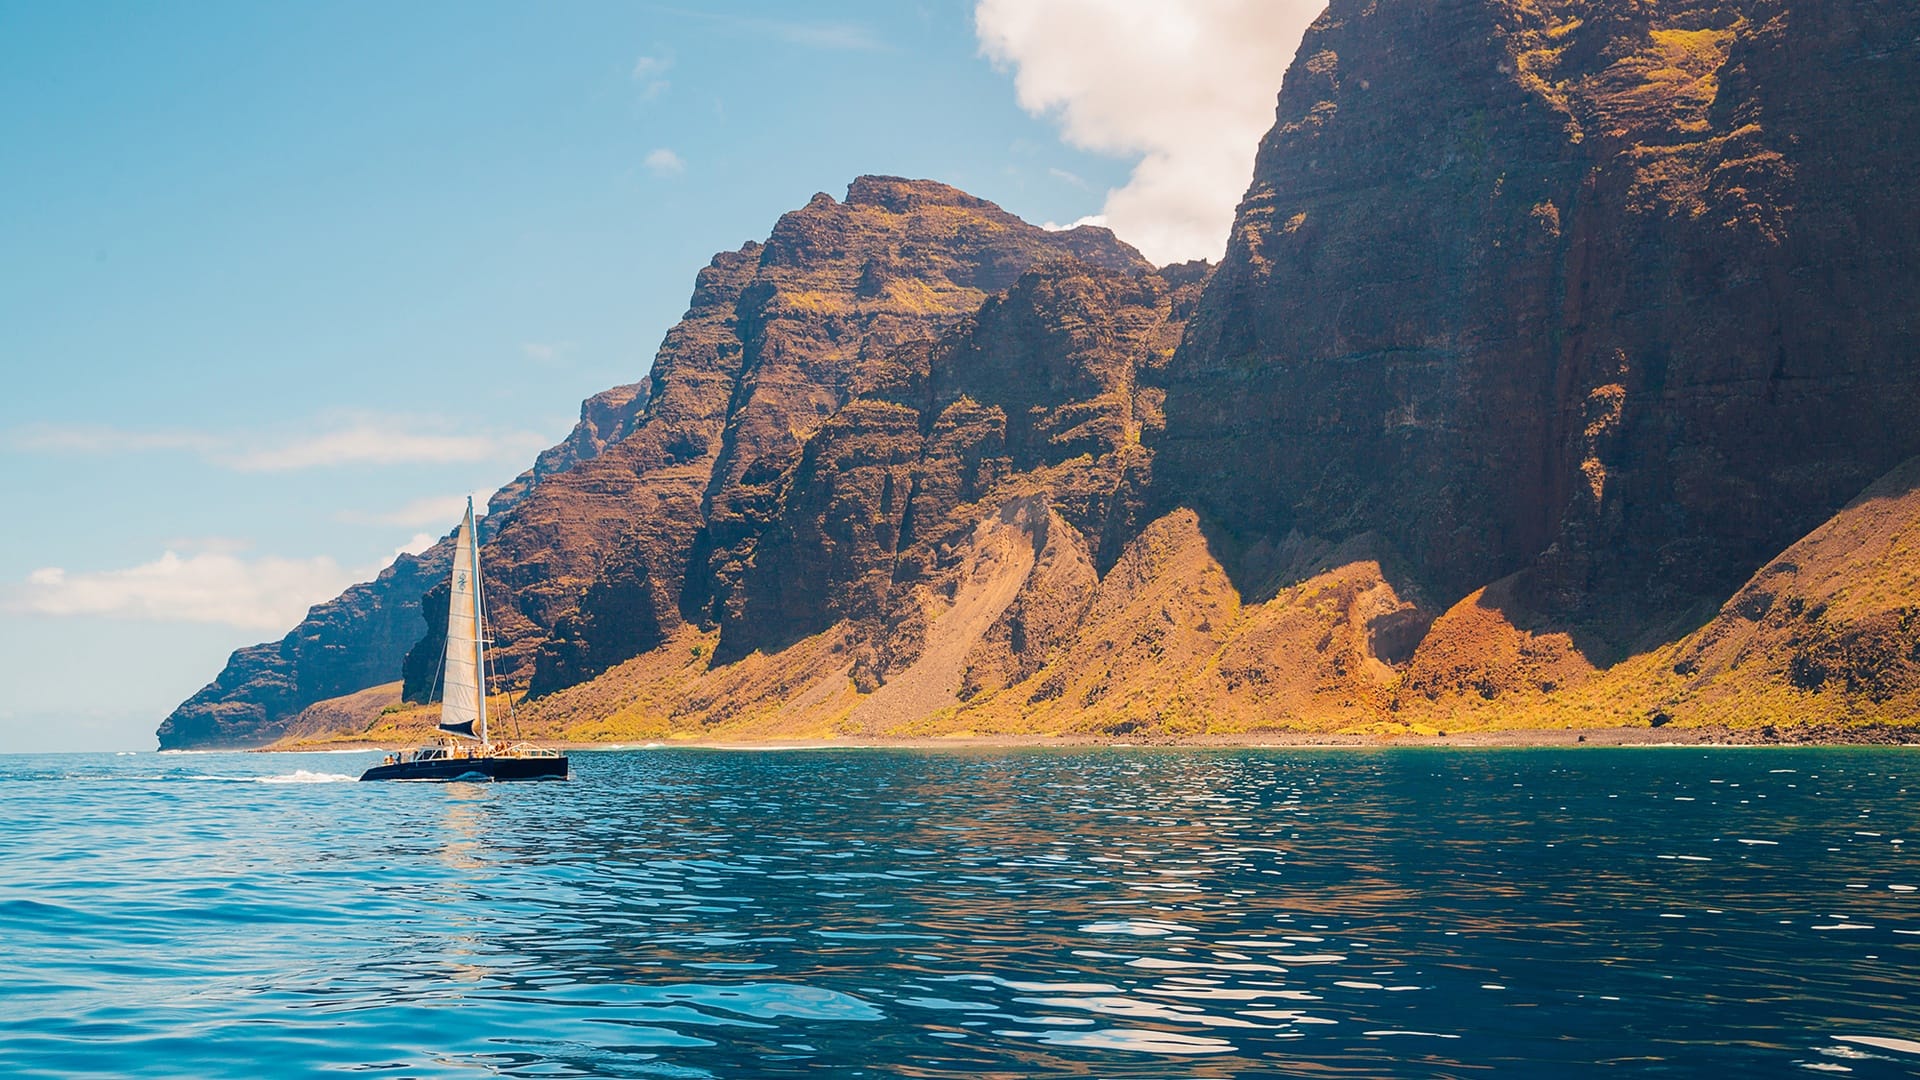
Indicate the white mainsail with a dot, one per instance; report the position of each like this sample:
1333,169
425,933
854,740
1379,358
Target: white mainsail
463,702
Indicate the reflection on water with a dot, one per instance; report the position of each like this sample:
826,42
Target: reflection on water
676,913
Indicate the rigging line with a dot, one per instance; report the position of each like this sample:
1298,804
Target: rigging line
513,718
479,619
490,669
439,675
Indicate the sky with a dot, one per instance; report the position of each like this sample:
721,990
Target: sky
282,283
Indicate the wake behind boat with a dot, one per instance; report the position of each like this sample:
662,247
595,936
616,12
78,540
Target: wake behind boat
463,700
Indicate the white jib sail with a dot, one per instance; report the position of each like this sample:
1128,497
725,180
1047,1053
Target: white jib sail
462,703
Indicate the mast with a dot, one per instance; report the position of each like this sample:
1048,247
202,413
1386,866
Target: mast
479,622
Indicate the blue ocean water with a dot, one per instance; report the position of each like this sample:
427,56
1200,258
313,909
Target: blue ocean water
1109,913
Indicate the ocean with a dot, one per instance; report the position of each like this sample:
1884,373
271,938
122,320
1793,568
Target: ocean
1122,912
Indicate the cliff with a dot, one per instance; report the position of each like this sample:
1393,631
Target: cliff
1826,632
1558,372
587,551
359,638
1603,302
597,565
935,541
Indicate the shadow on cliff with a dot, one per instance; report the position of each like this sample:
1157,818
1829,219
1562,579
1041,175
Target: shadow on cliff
1261,567
1509,638
1534,616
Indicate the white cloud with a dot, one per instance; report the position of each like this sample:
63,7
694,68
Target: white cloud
267,593
545,352
664,162
219,545
1097,220
378,442
1065,176
95,439
212,579
651,73
433,512
1188,86
354,439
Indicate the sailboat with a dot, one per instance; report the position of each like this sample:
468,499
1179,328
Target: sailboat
463,701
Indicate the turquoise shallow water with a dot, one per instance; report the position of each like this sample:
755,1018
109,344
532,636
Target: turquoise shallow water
1112,913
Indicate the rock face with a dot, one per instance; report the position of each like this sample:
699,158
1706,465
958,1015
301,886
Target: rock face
1544,326
934,540
1037,392
344,645
646,487
1039,400
1828,630
359,638
605,419
594,567
1617,294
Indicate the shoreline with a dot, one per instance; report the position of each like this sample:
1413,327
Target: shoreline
1705,736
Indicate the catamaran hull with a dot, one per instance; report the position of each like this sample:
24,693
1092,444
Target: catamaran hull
478,770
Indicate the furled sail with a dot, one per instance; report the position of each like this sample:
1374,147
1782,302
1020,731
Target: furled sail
462,703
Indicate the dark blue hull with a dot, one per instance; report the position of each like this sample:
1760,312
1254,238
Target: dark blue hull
475,769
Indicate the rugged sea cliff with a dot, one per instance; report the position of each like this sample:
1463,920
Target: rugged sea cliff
1560,371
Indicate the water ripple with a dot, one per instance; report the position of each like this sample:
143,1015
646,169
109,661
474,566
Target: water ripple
1113,913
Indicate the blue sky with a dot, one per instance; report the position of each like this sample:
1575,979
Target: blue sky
282,282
